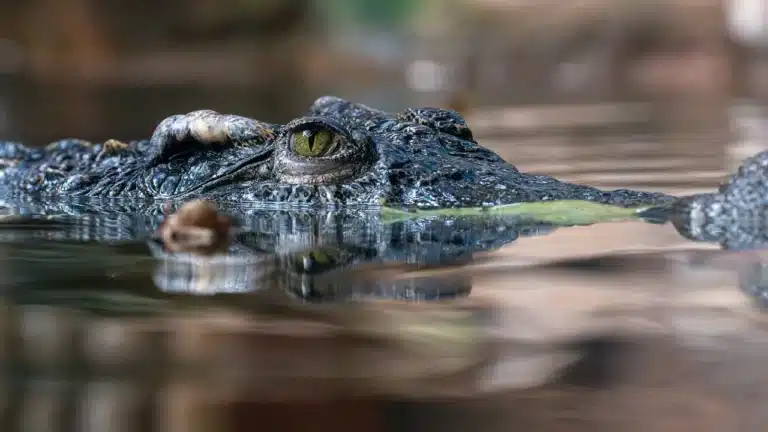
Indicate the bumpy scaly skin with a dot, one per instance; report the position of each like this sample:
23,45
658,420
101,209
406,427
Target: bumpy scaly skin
735,215
422,157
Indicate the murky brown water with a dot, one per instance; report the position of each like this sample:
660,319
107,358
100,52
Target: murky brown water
621,326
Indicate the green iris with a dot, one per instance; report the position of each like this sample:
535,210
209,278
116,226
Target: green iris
312,143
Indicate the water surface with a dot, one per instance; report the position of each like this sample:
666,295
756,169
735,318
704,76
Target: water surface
100,323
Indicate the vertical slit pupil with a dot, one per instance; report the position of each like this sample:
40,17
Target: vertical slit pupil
310,139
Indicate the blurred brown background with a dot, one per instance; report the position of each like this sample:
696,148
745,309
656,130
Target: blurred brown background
106,69
98,69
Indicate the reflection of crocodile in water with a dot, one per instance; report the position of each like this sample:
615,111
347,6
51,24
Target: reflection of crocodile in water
310,253
341,154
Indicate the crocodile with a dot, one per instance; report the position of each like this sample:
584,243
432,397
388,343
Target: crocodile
339,154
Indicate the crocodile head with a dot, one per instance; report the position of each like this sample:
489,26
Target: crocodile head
343,153
339,154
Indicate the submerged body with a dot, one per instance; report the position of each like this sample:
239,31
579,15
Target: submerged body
339,154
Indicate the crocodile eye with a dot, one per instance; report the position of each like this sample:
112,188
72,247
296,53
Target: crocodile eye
321,150
312,142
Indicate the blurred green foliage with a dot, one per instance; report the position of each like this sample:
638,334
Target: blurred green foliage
372,13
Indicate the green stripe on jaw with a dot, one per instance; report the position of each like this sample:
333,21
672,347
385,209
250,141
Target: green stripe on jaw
561,212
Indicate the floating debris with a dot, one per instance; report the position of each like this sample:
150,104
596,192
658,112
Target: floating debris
197,227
